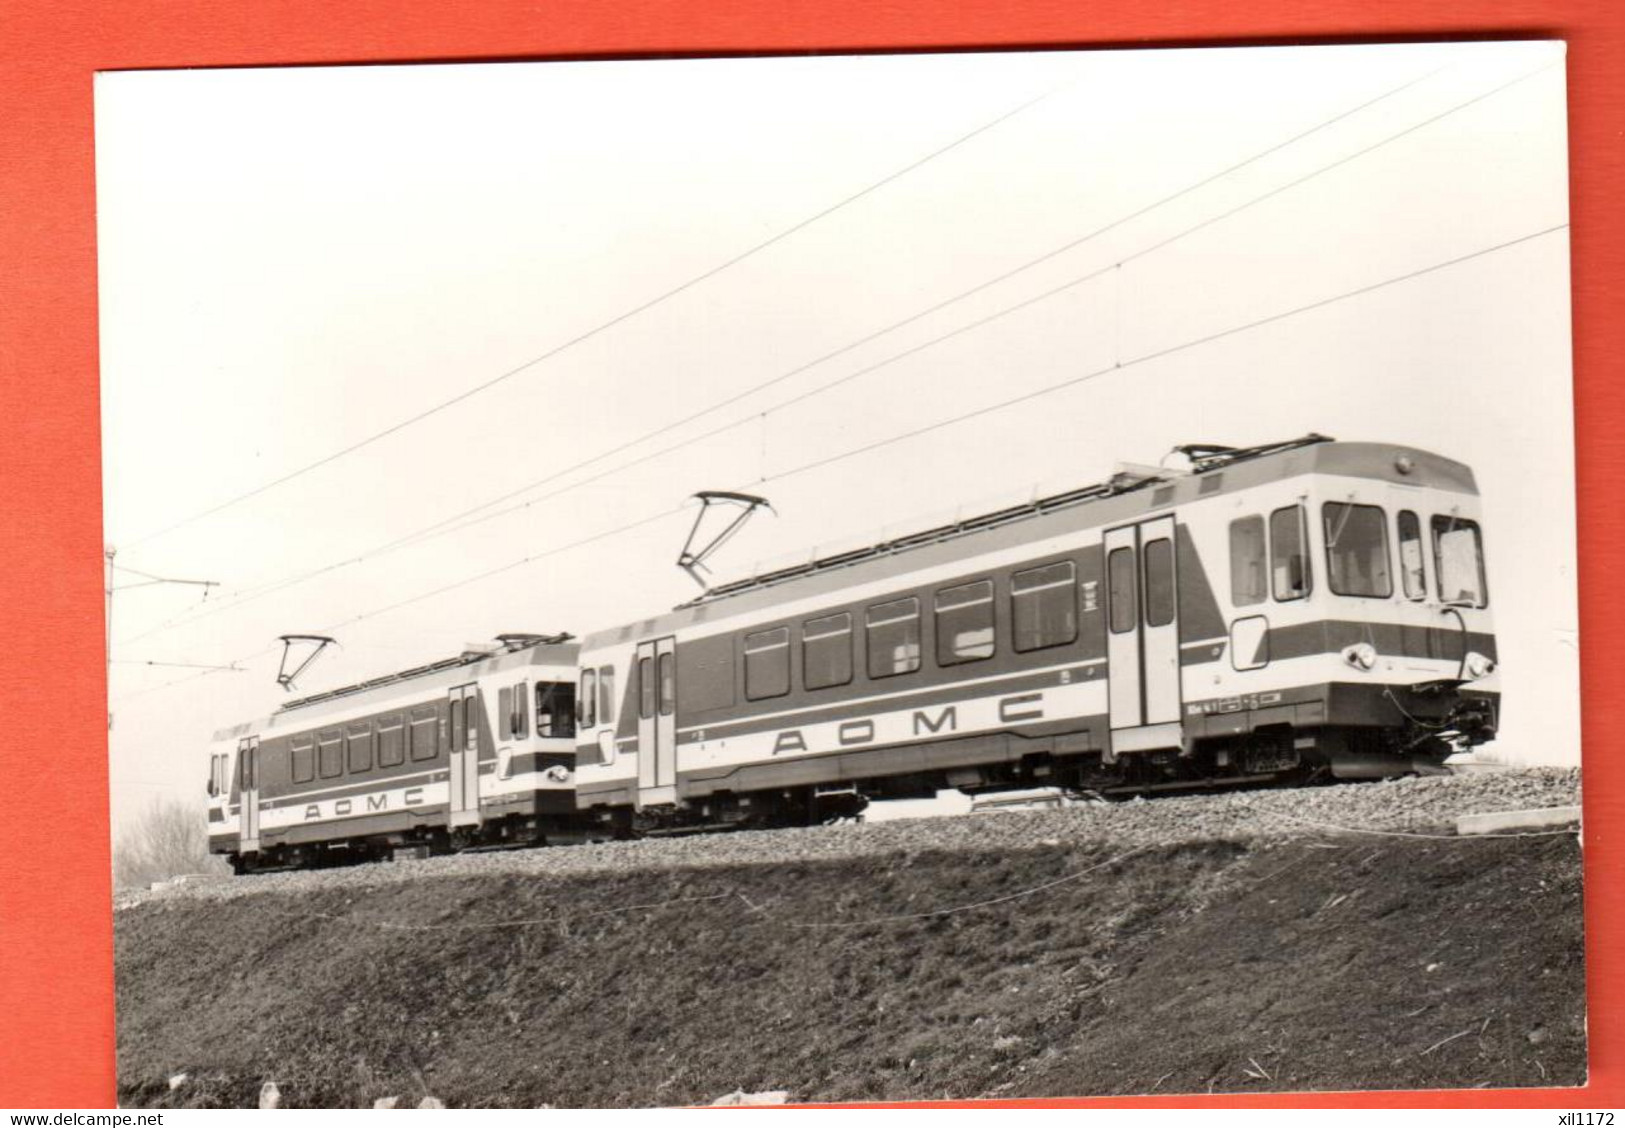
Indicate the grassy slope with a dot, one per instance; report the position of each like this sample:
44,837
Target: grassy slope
1196,967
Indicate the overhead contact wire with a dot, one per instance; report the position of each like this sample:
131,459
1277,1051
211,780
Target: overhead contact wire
602,327
457,521
987,409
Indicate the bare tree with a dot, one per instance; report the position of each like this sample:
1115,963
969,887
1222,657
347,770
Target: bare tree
171,838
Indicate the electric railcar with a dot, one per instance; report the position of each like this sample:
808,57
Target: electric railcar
472,751
1310,609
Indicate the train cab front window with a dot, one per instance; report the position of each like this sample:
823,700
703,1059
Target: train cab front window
1458,561
1289,553
555,709
1357,550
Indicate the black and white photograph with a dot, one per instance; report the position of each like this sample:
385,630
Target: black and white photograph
851,578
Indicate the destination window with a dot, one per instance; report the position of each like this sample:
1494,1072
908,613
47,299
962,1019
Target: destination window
1044,606
894,637
964,623
767,664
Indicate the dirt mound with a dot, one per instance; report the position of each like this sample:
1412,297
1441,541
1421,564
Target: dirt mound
1063,968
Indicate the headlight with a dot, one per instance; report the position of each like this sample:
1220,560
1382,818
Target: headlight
558,773
1477,665
1361,655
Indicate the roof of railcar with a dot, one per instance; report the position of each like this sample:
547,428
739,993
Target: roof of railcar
1222,471
540,650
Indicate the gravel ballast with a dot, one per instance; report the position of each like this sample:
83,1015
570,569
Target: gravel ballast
1428,805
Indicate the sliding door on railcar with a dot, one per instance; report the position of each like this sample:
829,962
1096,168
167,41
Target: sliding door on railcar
464,756
1142,638
657,721
248,783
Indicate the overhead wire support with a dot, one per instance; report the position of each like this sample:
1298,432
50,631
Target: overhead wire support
149,580
286,677
604,326
691,560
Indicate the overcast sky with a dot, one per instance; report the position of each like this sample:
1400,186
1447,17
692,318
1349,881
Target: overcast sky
296,259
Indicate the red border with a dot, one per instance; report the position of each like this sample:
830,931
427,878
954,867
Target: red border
56,1022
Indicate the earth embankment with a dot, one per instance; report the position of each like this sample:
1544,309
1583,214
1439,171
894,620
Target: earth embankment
1281,945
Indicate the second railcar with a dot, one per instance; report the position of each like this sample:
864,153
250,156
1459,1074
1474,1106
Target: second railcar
471,751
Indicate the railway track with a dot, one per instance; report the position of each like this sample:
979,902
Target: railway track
1416,805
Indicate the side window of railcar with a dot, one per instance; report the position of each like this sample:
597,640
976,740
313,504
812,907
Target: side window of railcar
555,709
826,651
606,695
1289,553
1458,560
767,664
330,753
1044,606
1159,582
1411,570
1121,594
505,711
391,741
894,637
965,623
589,698
424,732
358,746
1356,550
1249,571
302,753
